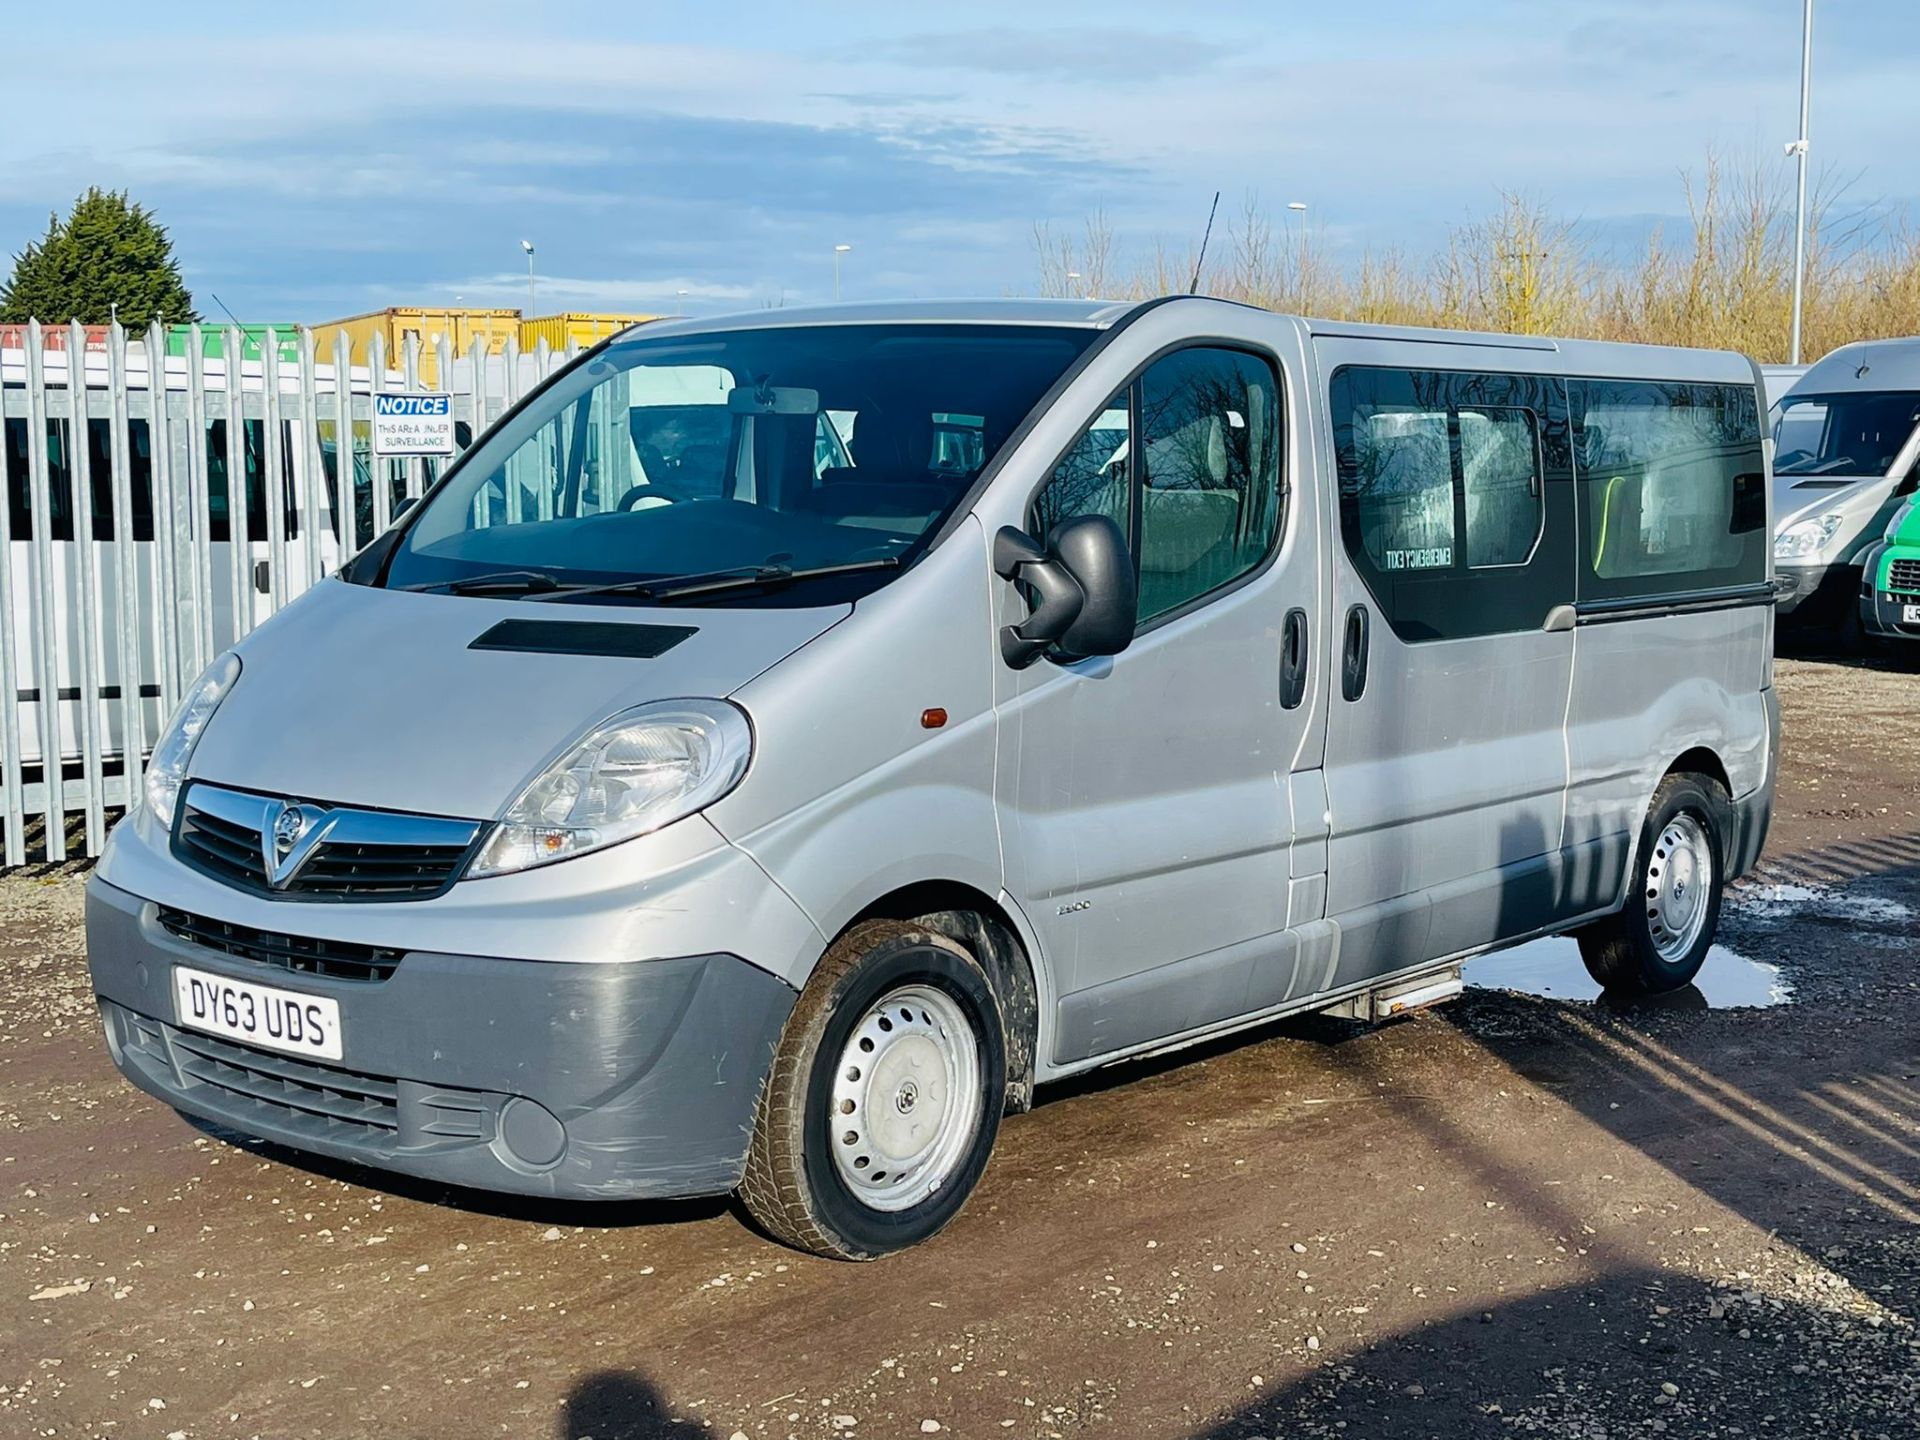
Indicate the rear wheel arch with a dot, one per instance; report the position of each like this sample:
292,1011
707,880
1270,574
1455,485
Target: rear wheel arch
1705,763
980,923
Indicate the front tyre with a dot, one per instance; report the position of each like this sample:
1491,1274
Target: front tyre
1660,937
884,1097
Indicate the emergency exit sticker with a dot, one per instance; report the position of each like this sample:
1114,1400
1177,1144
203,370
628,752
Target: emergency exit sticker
413,424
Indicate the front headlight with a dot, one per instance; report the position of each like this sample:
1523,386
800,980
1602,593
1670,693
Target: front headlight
167,768
1892,533
640,770
1798,541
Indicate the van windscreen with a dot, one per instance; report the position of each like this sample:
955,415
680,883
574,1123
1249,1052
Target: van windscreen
795,448
1855,433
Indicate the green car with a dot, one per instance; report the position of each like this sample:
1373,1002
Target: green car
1890,580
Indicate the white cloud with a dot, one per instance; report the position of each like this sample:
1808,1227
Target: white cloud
508,289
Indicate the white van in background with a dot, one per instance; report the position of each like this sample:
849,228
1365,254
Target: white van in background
1846,458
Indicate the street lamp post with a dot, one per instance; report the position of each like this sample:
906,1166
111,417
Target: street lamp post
1798,149
1299,207
838,251
527,245
1073,281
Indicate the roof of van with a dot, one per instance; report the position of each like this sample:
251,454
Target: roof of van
1595,356
1086,314
1864,365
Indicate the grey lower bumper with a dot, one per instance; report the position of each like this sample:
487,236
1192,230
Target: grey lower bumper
579,1081
1815,594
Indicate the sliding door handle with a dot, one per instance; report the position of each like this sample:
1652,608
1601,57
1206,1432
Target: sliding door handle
1293,660
1353,654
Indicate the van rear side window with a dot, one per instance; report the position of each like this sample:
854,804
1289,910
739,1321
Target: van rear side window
1445,500
1674,487
60,479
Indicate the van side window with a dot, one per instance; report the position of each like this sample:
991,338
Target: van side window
1402,486
139,462
1500,477
1454,497
1092,477
1200,496
1210,482
1673,486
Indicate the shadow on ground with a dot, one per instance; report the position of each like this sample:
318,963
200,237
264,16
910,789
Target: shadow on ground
623,1405
1641,1351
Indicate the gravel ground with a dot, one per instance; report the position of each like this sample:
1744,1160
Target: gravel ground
1516,1215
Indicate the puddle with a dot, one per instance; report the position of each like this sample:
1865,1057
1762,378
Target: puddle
1553,968
1785,902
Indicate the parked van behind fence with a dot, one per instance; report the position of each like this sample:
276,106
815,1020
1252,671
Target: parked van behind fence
783,741
137,538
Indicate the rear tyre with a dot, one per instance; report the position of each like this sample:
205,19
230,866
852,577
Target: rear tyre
884,1098
1660,937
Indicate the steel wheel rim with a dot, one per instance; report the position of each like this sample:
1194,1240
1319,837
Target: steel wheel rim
905,1104
1679,887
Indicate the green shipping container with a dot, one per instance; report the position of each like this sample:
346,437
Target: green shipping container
213,341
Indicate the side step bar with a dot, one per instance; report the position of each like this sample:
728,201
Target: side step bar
1400,997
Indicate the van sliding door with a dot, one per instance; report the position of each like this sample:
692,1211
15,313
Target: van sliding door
1446,749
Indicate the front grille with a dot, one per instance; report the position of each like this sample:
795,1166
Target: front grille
363,855
368,1104
1904,575
333,959
381,872
228,850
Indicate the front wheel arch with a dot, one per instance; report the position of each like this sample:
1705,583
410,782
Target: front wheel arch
977,921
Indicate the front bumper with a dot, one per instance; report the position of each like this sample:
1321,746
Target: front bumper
1815,594
1882,611
614,1080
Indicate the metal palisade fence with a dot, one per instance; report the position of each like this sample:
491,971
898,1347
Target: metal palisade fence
158,508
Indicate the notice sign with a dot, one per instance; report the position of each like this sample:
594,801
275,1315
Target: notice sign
413,425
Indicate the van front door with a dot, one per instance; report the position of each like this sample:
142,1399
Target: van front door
1453,581
1148,800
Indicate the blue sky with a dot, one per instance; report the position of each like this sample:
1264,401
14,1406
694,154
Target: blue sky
317,161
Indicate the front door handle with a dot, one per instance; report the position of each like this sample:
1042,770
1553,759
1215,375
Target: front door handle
1293,660
1353,656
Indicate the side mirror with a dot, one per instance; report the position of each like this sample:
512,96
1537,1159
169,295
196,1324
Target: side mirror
1084,600
404,504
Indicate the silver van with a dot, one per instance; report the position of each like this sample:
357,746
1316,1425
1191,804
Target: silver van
1846,459
684,799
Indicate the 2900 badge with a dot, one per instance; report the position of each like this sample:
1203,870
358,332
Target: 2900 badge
262,1015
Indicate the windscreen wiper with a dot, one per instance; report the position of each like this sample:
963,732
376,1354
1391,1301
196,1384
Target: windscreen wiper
496,582
723,582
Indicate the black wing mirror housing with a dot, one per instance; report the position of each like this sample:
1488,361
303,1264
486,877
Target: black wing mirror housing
1085,600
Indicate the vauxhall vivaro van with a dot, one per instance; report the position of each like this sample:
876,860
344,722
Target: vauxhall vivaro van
782,742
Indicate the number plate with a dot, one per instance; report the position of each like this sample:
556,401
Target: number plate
262,1015
1910,614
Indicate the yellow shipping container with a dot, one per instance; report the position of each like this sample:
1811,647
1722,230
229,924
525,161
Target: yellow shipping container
461,327
581,327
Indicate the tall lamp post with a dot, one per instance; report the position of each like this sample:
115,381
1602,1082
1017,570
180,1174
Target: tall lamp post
1299,207
1798,149
527,245
838,251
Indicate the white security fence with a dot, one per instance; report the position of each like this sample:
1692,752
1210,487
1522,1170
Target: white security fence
148,524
